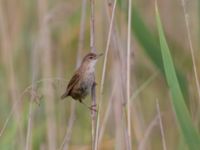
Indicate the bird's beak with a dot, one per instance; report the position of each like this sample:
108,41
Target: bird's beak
101,54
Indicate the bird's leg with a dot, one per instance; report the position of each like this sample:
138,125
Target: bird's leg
90,107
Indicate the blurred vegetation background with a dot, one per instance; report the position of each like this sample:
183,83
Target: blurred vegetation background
43,41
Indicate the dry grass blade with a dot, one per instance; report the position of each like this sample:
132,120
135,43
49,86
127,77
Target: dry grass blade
161,126
154,122
65,143
107,48
103,74
188,28
30,120
105,118
146,83
186,15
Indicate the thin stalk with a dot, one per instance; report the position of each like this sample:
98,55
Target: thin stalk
105,118
154,122
82,32
92,27
66,140
141,88
103,74
134,95
120,133
107,48
186,15
161,126
93,91
94,117
7,56
65,143
128,76
46,59
34,62
30,125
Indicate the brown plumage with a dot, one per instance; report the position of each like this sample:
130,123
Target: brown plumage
82,81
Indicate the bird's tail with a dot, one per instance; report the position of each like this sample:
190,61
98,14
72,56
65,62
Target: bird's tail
64,95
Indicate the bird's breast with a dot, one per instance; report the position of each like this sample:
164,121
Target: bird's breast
88,81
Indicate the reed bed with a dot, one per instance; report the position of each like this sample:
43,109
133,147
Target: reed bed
147,93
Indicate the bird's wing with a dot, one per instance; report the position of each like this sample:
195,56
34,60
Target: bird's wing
74,80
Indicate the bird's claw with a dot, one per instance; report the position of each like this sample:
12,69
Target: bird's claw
93,108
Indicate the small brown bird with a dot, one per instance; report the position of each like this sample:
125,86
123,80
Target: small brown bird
81,83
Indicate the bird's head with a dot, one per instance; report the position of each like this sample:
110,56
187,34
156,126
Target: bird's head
90,59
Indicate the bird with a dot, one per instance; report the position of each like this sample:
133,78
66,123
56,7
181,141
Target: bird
83,79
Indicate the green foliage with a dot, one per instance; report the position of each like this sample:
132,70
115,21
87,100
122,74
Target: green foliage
150,45
187,129
149,42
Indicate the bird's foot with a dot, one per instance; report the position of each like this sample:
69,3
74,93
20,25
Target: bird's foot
94,105
93,108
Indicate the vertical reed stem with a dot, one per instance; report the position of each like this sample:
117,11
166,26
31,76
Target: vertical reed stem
65,143
128,76
7,56
188,28
46,53
99,137
92,27
93,49
34,62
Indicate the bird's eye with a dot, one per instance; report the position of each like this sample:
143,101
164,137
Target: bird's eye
91,57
